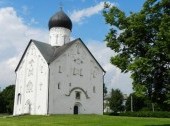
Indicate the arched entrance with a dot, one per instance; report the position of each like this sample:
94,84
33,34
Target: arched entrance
28,107
76,109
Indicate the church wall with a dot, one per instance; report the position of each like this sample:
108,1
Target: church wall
75,71
31,84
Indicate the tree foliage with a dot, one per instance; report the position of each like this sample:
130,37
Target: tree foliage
116,100
7,99
138,103
142,44
2,104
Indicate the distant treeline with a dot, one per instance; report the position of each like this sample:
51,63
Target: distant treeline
7,99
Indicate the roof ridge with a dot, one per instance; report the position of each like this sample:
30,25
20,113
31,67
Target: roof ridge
50,53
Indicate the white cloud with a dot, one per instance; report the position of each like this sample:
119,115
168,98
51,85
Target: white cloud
79,15
14,32
15,35
7,67
113,78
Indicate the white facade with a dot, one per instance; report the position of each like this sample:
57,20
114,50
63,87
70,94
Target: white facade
71,83
59,36
31,91
75,71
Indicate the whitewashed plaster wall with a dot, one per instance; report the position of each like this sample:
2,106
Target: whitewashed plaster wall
75,70
31,83
59,36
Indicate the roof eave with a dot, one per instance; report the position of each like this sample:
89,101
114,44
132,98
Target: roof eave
23,55
92,55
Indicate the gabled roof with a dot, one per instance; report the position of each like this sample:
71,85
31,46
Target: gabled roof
92,55
50,53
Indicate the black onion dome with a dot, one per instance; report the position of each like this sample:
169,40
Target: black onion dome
60,19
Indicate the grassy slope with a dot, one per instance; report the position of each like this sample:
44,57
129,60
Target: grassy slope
82,120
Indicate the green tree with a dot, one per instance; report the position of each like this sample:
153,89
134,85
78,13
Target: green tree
142,45
7,99
2,104
138,103
116,100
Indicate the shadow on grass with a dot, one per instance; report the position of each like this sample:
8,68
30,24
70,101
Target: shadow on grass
159,125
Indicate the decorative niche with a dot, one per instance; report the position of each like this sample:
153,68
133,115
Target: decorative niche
78,49
95,74
78,61
74,71
59,69
29,87
77,71
59,85
81,72
30,68
77,95
41,69
41,86
94,89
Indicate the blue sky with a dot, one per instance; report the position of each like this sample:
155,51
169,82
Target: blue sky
22,20
41,11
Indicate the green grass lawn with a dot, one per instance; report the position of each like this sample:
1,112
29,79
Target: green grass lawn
3,114
82,120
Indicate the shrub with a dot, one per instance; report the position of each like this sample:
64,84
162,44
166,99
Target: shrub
157,114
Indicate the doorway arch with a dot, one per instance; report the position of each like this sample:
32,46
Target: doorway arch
77,108
28,107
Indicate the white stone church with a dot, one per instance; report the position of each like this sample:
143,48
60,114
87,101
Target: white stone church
61,77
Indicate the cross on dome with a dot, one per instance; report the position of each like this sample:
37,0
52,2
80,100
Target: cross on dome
61,6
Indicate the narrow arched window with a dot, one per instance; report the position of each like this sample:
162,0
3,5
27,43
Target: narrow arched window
59,85
65,39
74,71
41,69
77,95
94,89
81,73
78,49
59,70
19,98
